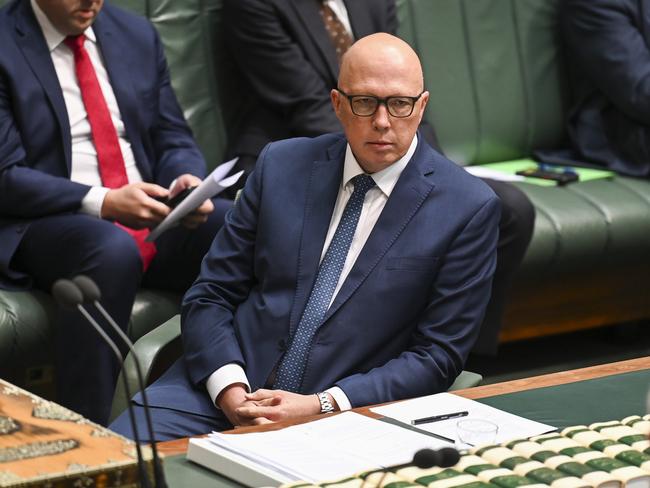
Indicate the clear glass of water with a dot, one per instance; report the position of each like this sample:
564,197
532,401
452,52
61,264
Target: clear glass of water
472,432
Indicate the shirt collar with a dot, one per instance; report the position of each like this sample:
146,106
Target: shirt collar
52,35
386,179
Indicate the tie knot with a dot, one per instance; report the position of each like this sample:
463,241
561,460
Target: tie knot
75,43
363,183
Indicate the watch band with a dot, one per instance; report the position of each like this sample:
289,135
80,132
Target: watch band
325,402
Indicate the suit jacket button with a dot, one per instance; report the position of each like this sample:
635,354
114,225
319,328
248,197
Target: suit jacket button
282,345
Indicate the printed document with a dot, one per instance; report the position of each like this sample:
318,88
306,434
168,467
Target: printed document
509,426
214,184
332,448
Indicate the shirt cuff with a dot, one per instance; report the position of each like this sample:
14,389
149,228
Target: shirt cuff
340,398
222,378
92,203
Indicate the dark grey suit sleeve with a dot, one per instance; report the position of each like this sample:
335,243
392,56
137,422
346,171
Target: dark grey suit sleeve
605,40
276,67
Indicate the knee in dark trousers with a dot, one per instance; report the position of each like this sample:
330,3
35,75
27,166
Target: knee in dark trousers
64,246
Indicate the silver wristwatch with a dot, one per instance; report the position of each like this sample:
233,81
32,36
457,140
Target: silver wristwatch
325,403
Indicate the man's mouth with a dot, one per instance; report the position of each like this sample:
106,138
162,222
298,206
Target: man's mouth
86,13
380,144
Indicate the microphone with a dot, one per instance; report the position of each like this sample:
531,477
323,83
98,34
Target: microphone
423,459
428,458
91,294
68,295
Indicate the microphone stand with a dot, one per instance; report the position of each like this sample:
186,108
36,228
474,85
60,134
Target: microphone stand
66,293
92,294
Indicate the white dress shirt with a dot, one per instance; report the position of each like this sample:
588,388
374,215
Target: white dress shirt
373,205
85,166
338,7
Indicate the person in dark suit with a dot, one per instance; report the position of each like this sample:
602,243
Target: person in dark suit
608,54
91,135
354,269
286,63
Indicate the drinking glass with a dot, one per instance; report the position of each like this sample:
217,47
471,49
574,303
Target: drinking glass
476,432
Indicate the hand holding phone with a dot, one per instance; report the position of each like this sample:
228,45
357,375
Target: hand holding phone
178,198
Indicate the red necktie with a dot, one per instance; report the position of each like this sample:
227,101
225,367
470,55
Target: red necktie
109,156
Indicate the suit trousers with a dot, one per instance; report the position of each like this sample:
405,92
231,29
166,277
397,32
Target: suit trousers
515,231
169,423
63,246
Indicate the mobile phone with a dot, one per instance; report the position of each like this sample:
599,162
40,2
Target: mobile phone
548,173
179,197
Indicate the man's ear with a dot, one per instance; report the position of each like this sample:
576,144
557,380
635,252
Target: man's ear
425,99
335,96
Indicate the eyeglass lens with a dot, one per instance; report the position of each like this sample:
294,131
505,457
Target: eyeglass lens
397,106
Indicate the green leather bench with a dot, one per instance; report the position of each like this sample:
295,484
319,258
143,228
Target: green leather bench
498,91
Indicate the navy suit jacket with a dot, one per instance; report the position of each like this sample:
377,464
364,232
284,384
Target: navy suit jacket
35,142
403,321
608,49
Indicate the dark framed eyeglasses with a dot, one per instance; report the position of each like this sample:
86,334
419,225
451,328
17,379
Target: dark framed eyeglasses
367,105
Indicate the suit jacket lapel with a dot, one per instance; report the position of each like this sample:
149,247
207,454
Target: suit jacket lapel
309,14
323,188
32,43
411,190
644,20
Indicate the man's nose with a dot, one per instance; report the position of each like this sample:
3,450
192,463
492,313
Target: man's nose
381,118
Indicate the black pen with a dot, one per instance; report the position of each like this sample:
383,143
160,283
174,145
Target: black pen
438,418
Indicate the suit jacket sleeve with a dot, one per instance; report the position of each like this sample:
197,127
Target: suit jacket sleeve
26,192
448,326
276,67
605,41
224,282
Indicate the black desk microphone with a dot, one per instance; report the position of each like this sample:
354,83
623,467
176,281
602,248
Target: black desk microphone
423,459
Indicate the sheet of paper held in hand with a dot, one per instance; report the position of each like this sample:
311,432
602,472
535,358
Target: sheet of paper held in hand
331,448
214,184
510,426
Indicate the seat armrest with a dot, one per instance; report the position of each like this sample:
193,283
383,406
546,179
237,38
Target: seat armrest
466,379
155,352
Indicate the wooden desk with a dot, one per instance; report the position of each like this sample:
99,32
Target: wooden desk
507,387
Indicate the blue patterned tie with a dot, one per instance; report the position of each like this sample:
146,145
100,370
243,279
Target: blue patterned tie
292,367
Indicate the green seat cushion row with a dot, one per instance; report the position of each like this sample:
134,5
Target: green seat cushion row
594,224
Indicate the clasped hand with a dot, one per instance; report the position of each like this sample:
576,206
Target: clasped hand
264,406
135,205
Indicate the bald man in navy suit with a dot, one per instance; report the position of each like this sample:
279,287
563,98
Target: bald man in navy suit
354,269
